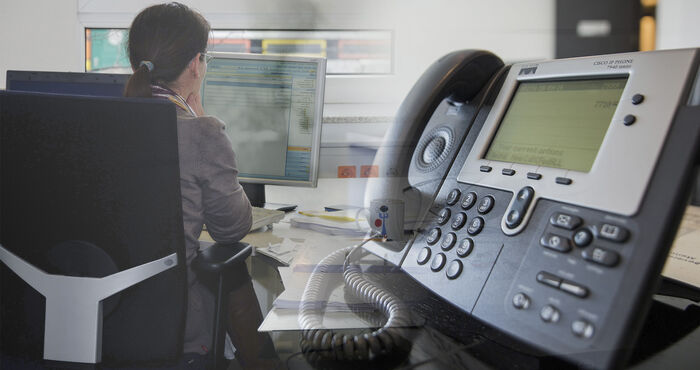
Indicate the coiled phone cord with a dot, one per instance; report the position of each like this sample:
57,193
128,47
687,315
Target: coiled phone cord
321,345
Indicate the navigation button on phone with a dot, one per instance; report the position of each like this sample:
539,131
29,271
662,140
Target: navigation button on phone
555,242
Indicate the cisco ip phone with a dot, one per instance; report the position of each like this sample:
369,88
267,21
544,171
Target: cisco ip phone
543,197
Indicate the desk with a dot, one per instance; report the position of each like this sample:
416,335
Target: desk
478,347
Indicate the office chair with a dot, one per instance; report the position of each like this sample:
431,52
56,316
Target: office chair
91,235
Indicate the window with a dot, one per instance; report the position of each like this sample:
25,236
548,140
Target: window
354,52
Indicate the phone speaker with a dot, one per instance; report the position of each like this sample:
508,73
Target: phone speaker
434,148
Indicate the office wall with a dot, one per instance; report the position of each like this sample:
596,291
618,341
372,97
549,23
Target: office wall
677,24
47,34
39,35
52,39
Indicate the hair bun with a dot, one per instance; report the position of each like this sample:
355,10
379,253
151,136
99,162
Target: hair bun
148,64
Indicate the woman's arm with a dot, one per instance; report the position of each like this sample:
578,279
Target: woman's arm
226,209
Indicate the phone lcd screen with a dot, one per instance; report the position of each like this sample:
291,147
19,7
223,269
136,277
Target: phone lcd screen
559,124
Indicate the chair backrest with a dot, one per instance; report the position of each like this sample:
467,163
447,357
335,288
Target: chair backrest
89,187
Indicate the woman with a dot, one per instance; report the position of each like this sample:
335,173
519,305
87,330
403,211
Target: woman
167,50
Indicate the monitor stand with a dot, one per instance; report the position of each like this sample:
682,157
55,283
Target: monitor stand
255,193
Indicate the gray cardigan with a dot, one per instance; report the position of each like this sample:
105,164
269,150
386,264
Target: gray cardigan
211,195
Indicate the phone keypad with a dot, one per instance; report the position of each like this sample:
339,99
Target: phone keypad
453,243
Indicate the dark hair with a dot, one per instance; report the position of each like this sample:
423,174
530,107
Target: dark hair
167,35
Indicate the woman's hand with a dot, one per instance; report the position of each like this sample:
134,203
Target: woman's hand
195,101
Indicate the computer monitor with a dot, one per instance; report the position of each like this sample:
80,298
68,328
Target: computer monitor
70,83
272,106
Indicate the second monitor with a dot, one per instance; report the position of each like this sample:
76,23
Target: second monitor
272,106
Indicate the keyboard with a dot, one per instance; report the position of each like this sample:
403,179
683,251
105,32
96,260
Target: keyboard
264,217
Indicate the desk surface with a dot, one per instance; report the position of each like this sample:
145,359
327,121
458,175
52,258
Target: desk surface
432,348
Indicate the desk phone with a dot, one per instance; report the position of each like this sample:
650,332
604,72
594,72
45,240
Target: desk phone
547,194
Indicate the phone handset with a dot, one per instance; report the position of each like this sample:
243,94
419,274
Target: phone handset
429,127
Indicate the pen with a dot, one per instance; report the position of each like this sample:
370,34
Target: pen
329,217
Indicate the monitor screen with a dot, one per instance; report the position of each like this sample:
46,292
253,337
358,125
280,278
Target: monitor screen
272,107
559,124
69,83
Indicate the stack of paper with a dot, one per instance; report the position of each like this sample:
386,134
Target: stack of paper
333,300
338,313
331,223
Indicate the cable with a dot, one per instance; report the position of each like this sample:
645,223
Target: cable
323,347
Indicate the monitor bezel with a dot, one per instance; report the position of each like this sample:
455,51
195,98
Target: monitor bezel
12,77
318,114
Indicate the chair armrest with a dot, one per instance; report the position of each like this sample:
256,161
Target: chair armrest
221,256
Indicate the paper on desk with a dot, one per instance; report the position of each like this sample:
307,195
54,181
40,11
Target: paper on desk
337,301
283,252
331,223
285,315
280,320
683,262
